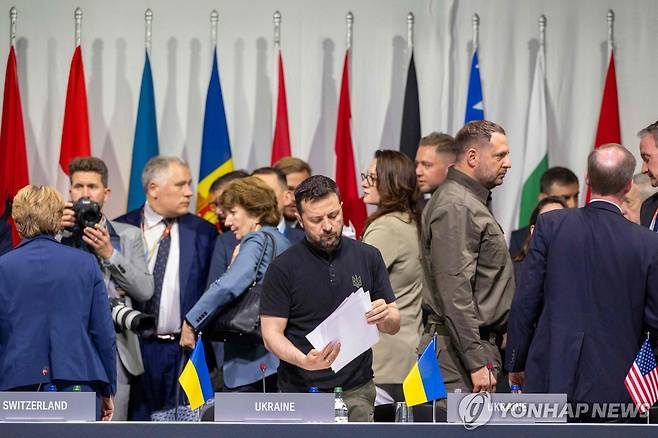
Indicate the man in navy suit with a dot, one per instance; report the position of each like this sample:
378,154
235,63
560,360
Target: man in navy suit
588,293
178,249
55,322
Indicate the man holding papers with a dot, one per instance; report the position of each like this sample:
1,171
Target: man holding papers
321,283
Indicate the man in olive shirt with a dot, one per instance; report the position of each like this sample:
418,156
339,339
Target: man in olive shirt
468,271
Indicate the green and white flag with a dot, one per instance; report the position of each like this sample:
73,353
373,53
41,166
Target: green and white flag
535,155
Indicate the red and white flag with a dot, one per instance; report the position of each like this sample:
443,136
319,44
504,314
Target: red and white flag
354,210
608,130
281,142
13,156
642,379
75,133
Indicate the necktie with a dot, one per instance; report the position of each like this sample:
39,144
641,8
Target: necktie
153,305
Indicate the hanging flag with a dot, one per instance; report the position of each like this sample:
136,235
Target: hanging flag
75,133
195,378
474,100
608,129
424,382
215,146
642,379
535,162
145,145
281,142
354,210
13,156
410,132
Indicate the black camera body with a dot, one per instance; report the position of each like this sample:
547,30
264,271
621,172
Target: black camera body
87,214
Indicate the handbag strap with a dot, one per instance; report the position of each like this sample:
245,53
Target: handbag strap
262,254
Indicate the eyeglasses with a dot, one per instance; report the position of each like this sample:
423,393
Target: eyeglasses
370,179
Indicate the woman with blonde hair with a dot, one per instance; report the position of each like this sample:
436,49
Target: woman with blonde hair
56,330
252,214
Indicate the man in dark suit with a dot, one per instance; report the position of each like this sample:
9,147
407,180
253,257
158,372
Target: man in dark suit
556,181
588,293
55,322
178,249
649,153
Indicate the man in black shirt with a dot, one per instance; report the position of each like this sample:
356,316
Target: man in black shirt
304,285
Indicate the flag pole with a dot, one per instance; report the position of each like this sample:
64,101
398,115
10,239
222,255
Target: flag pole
78,25
542,31
277,30
350,23
276,40
476,32
214,20
434,401
148,30
12,26
410,32
611,29
648,333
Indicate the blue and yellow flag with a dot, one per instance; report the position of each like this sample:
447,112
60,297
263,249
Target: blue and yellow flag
195,378
145,145
474,99
215,146
424,382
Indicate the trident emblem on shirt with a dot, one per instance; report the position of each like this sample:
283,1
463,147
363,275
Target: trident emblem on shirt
356,281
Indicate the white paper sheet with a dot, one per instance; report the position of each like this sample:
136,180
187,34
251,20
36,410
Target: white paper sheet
347,325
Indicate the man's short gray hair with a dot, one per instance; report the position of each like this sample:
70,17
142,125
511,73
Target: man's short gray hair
157,168
651,129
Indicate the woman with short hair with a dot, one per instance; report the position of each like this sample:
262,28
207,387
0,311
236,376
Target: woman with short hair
252,214
56,330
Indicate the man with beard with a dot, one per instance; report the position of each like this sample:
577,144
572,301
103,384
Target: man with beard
304,285
469,276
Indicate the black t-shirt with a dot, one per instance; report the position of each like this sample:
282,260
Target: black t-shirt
305,285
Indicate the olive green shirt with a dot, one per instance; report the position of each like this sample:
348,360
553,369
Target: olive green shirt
396,237
469,277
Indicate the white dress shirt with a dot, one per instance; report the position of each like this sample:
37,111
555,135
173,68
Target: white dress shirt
169,319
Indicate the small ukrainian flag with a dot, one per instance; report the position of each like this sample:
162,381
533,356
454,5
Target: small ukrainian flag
424,382
195,378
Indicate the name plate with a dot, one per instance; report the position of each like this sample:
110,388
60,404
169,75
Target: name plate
47,406
275,407
474,410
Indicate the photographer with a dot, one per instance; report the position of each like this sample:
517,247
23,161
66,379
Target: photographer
120,251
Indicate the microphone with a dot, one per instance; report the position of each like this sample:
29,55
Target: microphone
263,368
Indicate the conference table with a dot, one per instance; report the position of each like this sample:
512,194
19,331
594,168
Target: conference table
361,430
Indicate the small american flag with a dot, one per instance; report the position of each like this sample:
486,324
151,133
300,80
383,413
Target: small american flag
642,379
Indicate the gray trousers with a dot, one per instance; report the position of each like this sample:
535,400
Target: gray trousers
122,396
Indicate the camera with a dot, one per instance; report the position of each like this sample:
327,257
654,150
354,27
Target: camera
127,318
87,214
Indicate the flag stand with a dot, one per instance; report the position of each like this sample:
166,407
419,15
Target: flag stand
434,401
648,333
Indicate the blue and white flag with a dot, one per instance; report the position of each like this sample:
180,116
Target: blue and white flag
474,100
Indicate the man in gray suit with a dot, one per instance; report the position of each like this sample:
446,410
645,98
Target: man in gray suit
121,255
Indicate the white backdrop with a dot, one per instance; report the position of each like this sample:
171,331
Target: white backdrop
313,41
